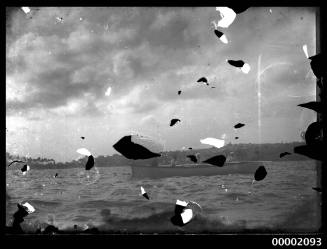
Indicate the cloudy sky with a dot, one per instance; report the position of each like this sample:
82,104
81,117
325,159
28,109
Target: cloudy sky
60,63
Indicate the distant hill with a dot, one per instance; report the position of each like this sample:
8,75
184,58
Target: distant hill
238,152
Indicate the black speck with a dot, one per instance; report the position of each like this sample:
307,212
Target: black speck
318,63
204,80
236,63
260,173
238,125
132,150
316,106
90,163
238,9
218,33
216,160
174,121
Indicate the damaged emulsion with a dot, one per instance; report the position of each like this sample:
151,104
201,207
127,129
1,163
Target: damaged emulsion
184,211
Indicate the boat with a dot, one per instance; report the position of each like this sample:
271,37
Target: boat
185,170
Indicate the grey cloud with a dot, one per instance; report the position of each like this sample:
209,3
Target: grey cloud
147,55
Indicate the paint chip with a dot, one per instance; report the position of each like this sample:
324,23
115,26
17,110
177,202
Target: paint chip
174,121
313,133
305,50
315,151
132,150
144,193
28,207
84,152
238,8
25,169
245,68
218,143
26,10
227,16
90,163
238,125
318,63
204,80
183,214
216,160
222,37
313,105
260,173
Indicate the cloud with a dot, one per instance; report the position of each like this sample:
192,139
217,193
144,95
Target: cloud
59,71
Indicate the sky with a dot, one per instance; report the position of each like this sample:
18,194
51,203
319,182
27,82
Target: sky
107,72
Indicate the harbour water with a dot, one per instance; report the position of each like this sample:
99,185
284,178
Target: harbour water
109,199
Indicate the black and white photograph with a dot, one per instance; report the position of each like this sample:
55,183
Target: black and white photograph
163,120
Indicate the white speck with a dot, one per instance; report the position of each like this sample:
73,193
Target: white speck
7,184
226,189
227,15
213,141
223,136
30,208
181,203
108,92
223,38
246,68
142,190
270,10
187,215
305,50
81,19
26,9
43,185
84,151
59,19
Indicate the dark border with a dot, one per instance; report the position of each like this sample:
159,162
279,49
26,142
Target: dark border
264,240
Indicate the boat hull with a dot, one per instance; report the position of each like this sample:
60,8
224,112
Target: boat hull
199,170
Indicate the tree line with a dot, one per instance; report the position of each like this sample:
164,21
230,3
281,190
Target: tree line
233,152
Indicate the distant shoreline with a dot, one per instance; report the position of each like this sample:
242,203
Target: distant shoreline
114,166
234,152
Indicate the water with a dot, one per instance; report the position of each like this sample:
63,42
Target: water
110,200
